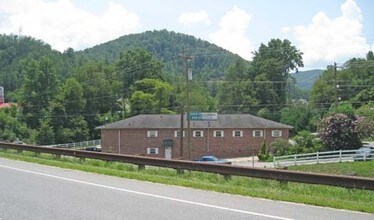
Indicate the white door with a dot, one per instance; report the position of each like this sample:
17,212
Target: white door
168,153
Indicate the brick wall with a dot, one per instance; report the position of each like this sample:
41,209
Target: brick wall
136,142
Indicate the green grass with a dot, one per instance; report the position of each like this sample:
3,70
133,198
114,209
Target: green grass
336,197
358,168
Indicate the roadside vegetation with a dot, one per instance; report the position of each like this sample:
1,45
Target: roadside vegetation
358,168
328,196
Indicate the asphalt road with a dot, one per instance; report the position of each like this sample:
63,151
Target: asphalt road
32,191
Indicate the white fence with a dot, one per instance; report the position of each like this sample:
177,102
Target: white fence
321,157
77,145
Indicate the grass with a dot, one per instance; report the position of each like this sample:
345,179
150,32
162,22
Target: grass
358,168
335,197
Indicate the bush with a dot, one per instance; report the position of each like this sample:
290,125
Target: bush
306,143
281,147
264,154
339,132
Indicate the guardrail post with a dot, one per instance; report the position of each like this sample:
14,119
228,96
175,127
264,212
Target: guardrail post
226,177
340,156
364,157
295,158
317,157
180,171
141,167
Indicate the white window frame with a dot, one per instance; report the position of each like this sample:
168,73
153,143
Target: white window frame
240,133
217,131
276,133
255,135
201,132
151,149
152,133
176,133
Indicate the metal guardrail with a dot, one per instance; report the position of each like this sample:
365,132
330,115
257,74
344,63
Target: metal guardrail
223,169
77,145
319,157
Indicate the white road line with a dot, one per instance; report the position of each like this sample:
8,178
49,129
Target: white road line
149,194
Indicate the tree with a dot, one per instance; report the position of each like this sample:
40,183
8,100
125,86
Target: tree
66,113
275,60
150,96
38,89
135,65
236,93
339,132
300,116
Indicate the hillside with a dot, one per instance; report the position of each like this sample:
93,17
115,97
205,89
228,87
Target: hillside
305,79
208,60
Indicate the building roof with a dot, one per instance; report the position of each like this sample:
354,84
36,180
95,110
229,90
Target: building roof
162,121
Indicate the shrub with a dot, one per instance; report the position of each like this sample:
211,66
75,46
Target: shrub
339,132
281,147
264,154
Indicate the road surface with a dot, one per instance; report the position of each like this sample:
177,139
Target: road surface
32,191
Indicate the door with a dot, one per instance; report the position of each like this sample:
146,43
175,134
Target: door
168,153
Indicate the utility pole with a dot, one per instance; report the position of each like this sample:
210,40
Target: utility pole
335,87
186,58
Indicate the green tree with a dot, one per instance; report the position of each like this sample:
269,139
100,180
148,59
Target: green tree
236,93
150,96
300,116
38,89
275,60
135,65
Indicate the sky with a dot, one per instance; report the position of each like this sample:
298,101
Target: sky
326,31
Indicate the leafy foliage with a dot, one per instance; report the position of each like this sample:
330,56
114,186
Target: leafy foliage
339,132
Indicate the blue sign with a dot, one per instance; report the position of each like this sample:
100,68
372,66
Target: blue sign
203,116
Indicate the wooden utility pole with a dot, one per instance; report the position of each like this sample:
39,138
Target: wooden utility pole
186,58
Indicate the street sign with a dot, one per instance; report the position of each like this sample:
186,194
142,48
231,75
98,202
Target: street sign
203,116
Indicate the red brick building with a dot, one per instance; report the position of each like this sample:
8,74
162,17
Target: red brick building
232,135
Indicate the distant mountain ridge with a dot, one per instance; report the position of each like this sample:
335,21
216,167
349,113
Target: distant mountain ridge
208,60
306,79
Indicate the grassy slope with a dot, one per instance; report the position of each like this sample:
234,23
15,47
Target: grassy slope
361,168
359,200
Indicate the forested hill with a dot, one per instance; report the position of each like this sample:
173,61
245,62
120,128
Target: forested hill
208,60
306,79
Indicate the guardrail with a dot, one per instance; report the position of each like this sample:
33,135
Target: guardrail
223,169
77,145
320,157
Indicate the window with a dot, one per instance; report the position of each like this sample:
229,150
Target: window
218,134
177,133
198,134
152,150
276,133
237,133
152,134
258,133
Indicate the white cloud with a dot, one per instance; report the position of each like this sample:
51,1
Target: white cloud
326,40
194,17
62,25
231,33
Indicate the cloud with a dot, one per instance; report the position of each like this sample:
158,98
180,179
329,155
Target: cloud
63,25
231,33
194,17
326,40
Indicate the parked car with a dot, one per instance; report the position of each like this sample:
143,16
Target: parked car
366,151
94,148
213,159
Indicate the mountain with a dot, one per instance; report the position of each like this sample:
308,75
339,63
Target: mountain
306,79
208,60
